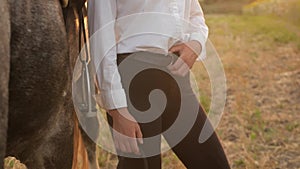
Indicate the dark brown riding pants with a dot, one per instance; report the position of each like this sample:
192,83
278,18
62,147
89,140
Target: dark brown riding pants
180,98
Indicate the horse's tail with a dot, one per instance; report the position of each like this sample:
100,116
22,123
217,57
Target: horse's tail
80,157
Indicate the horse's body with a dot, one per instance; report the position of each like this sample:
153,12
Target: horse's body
4,74
42,53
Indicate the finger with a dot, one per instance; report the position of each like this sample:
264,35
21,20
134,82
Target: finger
117,146
176,65
139,135
122,146
121,142
175,48
134,146
116,140
183,70
127,144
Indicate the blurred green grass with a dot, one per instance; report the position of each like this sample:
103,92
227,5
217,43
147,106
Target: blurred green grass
267,30
286,9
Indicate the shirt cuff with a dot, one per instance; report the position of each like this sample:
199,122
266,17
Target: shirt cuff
202,40
113,99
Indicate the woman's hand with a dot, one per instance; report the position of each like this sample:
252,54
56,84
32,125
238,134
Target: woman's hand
126,131
188,53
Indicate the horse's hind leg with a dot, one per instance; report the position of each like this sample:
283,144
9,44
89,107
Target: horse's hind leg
4,75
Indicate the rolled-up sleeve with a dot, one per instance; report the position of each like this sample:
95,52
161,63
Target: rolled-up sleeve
200,31
101,17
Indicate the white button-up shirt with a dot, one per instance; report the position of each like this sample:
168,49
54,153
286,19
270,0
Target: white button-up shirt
126,26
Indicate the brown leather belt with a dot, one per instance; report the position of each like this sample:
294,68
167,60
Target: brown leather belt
150,58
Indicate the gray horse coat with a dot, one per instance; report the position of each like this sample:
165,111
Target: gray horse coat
40,117
4,74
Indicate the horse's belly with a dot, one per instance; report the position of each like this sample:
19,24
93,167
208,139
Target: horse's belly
39,65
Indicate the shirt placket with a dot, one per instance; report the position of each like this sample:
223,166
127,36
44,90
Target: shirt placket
174,10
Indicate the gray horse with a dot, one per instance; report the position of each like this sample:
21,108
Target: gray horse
4,74
38,51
